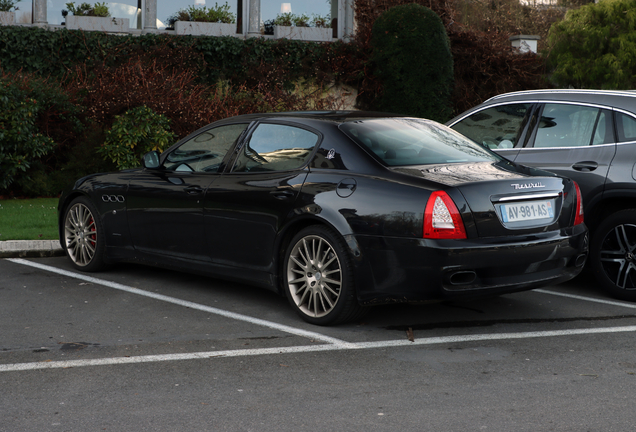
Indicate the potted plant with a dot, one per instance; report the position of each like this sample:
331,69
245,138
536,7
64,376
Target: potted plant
290,26
7,16
97,17
213,21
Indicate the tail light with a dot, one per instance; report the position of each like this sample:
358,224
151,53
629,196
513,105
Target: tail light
442,219
578,219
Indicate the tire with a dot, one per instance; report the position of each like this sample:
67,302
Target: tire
613,254
84,236
318,278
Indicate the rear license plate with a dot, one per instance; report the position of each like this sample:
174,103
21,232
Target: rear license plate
526,211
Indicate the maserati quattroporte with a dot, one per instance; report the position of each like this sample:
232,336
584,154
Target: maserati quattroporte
335,210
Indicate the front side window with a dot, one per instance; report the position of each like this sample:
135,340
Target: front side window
274,147
497,127
565,125
204,152
408,141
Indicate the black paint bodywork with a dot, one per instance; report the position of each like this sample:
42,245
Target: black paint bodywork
237,226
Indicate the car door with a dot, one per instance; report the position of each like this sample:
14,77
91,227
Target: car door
572,140
500,128
165,205
246,208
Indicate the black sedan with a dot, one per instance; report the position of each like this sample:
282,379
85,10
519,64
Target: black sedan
337,210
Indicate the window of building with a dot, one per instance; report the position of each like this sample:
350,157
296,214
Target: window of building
270,9
130,9
24,12
168,9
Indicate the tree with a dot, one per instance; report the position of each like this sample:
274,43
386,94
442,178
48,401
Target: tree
595,46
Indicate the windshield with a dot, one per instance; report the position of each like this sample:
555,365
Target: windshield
411,141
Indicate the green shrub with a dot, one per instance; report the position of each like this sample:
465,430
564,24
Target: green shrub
20,142
216,14
23,105
290,19
7,5
595,46
85,9
412,58
135,133
38,123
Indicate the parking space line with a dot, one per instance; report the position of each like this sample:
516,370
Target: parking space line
329,343
304,349
188,304
590,299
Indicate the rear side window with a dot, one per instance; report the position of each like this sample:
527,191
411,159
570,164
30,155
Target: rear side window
626,127
564,125
274,147
409,141
497,127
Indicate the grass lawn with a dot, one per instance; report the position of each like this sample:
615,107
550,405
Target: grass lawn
28,219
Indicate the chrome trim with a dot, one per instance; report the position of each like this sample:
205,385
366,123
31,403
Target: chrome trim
566,91
526,197
539,101
562,148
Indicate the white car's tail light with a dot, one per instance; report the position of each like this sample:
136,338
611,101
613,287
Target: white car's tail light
442,219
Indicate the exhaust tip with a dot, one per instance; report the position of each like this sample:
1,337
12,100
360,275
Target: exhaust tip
462,278
580,260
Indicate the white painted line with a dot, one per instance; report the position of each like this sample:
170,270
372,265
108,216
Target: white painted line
210,355
590,299
188,304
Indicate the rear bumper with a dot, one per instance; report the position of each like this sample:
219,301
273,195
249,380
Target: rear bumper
390,269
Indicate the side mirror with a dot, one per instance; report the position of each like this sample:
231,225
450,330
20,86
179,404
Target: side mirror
151,160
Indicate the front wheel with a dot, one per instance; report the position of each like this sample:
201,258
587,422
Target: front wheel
613,254
318,278
83,235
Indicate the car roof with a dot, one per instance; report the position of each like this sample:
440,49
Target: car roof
623,99
331,116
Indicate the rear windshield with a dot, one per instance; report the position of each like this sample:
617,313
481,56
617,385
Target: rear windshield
409,141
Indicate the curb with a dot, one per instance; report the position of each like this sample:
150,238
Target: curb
30,248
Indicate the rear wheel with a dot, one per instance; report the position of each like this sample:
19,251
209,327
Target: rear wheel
318,278
613,254
83,235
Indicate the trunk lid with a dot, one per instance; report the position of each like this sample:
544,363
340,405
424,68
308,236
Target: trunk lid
502,198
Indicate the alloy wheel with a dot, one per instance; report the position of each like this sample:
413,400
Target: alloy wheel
80,234
314,276
618,256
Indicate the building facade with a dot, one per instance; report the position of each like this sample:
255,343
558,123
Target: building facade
153,15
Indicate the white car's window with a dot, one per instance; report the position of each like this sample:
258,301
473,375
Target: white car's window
626,126
204,152
274,147
495,128
564,125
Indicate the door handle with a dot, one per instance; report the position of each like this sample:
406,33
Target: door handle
283,194
585,166
194,190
